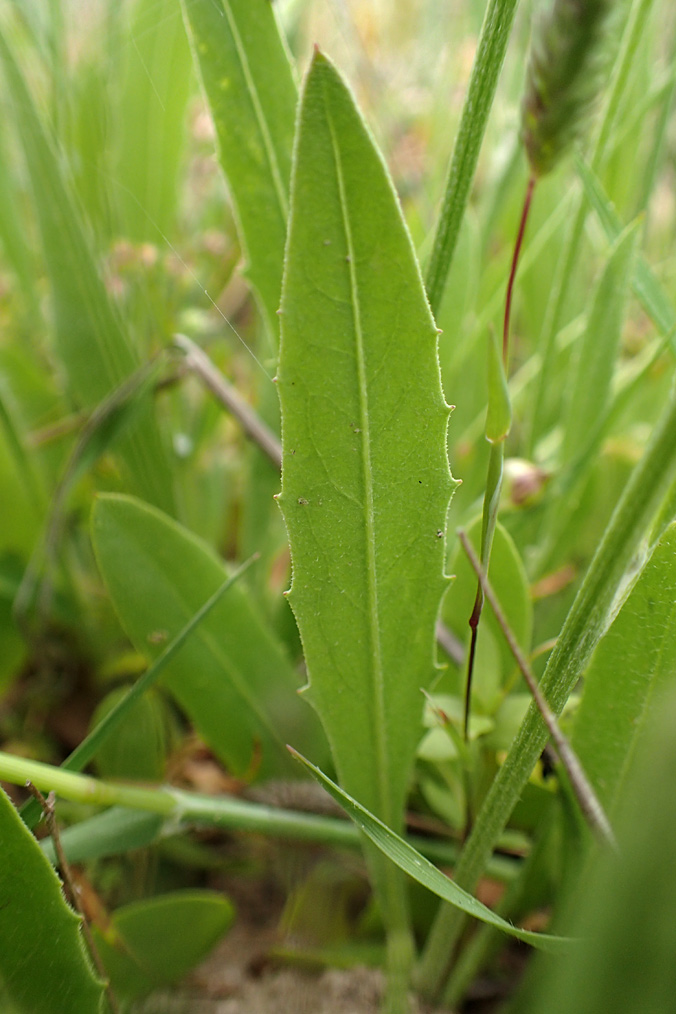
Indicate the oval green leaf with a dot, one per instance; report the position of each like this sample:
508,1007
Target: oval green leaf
231,677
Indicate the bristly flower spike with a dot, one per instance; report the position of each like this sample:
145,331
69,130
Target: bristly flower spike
565,74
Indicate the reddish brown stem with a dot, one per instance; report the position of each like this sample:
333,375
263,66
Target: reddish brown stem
479,600
515,262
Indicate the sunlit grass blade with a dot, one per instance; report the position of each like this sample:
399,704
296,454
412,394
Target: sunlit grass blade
416,866
249,84
596,353
93,348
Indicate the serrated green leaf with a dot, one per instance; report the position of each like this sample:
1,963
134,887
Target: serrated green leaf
422,870
232,677
627,670
93,347
249,84
43,964
597,351
366,482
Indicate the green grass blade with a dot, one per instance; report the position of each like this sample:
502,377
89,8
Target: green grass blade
231,677
490,55
154,95
416,866
627,672
92,345
43,964
366,482
584,626
248,81
646,286
597,351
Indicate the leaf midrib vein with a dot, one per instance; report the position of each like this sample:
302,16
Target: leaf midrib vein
373,612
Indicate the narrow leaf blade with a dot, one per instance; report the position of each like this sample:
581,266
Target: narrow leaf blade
597,352
627,670
249,84
421,869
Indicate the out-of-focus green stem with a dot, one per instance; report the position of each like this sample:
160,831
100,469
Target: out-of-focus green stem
185,808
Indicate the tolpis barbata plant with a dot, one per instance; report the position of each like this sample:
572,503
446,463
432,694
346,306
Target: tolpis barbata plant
326,350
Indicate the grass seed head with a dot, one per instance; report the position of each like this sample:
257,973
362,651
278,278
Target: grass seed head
565,73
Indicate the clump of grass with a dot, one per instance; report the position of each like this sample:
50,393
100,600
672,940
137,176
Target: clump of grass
565,74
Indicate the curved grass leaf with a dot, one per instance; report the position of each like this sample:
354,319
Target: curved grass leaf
422,870
249,84
93,348
626,672
232,677
43,964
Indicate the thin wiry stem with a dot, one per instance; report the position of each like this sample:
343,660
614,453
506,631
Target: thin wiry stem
495,467
590,805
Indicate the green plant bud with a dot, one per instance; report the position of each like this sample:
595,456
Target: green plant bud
564,76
